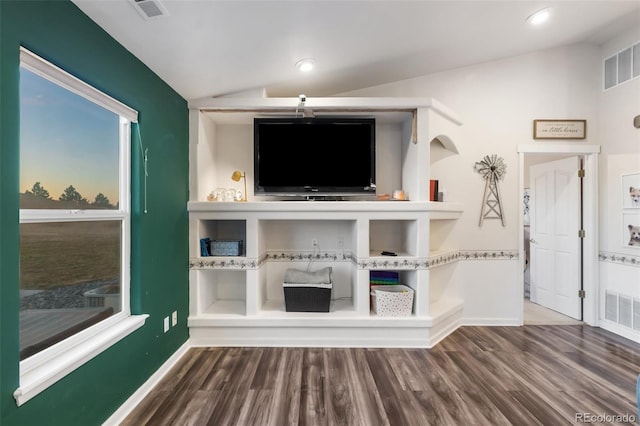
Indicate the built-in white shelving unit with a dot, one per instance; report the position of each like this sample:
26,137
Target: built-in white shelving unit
239,300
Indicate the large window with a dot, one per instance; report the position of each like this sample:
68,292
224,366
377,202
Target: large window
74,206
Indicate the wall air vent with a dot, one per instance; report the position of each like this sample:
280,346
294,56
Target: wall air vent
611,306
622,67
149,9
625,311
622,309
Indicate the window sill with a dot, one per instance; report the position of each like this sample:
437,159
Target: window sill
42,370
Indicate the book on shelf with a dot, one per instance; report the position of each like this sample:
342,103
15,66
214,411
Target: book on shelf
433,190
205,244
384,278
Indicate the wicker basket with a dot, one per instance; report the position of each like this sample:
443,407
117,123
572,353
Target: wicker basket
392,300
307,297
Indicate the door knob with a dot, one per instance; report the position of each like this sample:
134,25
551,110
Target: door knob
532,241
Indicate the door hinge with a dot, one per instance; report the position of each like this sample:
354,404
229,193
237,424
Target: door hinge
582,294
581,173
581,233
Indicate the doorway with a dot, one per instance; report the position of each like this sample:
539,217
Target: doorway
555,248
544,153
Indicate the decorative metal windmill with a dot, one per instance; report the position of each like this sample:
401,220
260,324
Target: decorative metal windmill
492,169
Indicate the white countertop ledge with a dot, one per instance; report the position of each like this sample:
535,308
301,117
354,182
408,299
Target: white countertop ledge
323,206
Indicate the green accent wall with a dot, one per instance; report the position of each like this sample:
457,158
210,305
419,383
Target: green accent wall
59,32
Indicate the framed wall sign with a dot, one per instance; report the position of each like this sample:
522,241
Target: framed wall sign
559,129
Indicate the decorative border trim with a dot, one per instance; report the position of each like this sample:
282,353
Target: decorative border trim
456,256
443,259
620,259
489,255
297,256
234,263
399,263
370,263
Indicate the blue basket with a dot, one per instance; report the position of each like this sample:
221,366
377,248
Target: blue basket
226,247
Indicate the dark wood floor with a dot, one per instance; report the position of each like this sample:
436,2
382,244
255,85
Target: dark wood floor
527,375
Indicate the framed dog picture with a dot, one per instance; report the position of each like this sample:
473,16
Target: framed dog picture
631,191
631,229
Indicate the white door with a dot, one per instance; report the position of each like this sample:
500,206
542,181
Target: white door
555,243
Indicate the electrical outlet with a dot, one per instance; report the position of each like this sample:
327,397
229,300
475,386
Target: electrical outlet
166,324
340,243
174,318
314,242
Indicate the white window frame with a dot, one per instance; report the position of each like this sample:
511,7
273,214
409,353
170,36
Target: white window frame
43,369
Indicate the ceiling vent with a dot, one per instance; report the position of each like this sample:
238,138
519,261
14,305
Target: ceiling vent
149,9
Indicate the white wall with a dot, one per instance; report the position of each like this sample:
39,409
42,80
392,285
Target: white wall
620,147
498,102
620,265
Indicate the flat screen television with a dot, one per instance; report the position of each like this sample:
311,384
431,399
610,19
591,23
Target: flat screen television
314,156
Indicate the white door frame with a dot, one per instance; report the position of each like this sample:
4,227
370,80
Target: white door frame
590,220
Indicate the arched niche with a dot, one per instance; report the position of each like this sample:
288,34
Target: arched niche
441,147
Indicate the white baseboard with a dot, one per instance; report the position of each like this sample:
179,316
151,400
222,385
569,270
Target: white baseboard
215,338
620,330
130,404
438,335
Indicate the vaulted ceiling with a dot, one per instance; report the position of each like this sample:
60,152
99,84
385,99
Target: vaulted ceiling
211,48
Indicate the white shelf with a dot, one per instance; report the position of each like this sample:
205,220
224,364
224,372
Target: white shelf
227,308
445,210
326,206
375,254
342,308
245,307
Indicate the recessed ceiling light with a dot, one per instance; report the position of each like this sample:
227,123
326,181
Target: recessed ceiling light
305,65
539,17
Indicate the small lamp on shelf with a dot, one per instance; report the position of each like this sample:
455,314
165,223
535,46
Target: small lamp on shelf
236,176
